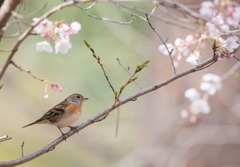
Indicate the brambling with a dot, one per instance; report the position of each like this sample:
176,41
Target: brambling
63,114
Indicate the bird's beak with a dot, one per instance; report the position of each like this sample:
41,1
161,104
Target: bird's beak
85,98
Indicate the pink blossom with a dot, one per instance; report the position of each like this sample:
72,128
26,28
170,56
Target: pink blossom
63,31
184,114
56,87
42,26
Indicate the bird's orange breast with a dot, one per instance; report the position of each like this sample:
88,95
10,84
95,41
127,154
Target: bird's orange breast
73,108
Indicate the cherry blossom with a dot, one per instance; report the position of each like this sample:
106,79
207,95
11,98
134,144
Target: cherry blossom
192,94
56,87
162,48
44,46
56,32
207,9
75,27
200,106
231,43
62,46
193,58
211,83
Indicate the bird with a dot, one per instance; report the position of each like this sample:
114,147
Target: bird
63,114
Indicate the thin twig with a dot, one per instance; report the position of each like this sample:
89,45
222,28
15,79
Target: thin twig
19,16
230,71
169,52
236,58
101,65
27,71
22,149
118,121
106,19
90,6
130,13
158,17
128,73
181,7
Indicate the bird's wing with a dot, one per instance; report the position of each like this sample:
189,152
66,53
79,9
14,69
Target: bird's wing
54,114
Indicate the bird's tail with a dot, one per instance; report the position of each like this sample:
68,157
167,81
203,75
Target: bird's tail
35,122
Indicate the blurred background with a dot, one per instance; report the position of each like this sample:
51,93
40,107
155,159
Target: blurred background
151,132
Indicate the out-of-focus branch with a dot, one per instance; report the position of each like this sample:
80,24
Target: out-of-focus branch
28,31
104,18
230,71
103,113
180,7
156,16
5,12
4,138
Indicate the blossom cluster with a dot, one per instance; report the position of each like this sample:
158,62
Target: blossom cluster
56,32
198,97
222,20
53,86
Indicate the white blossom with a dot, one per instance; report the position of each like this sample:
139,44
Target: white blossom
231,43
42,26
193,58
162,48
75,27
211,83
44,46
207,9
62,46
184,114
192,94
200,106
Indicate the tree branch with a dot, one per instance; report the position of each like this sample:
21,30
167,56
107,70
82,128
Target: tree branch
4,138
5,12
101,65
101,114
164,43
28,31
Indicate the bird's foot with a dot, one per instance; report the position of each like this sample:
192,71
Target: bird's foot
73,128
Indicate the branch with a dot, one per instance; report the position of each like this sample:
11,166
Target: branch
103,18
101,114
164,43
101,65
230,71
181,7
127,70
27,71
28,31
158,17
4,138
5,12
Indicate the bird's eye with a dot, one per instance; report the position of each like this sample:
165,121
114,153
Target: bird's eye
78,97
